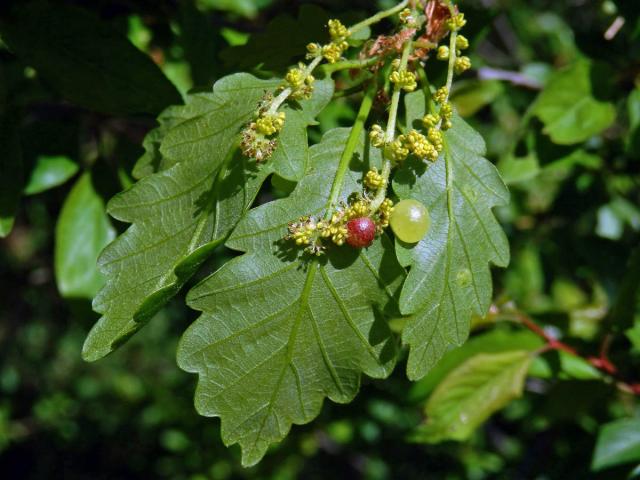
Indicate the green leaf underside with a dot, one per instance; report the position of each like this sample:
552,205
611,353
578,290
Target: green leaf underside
10,173
449,277
618,443
70,49
199,191
82,232
568,109
471,393
281,330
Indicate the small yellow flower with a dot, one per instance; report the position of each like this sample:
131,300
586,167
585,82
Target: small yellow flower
443,53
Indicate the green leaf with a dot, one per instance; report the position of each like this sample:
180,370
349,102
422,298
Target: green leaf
449,277
49,172
568,109
472,393
618,443
10,172
83,230
200,189
280,329
71,49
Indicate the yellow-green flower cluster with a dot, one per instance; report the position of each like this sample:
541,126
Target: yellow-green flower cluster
404,79
337,30
311,232
397,150
301,85
441,95
258,141
430,120
256,145
461,42
373,180
443,53
420,146
436,138
270,123
456,22
446,112
376,136
383,214
462,64
332,51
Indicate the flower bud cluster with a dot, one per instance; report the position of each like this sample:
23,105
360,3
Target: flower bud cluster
373,180
332,51
456,22
258,139
404,79
301,85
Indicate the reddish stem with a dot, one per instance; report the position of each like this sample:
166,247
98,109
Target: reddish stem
601,362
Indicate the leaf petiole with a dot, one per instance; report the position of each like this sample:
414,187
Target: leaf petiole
352,143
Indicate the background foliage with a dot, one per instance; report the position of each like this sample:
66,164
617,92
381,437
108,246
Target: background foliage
559,108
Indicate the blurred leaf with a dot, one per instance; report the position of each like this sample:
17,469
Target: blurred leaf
614,216
626,302
280,331
563,365
514,169
83,230
201,43
618,443
469,96
200,189
471,393
87,61
282,44
49,172
11,175
567,295
568,109
633,110
449,278
247,8
494,341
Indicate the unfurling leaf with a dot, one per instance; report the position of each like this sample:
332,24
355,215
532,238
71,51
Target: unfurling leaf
471,393
449,277
195,188
280,329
